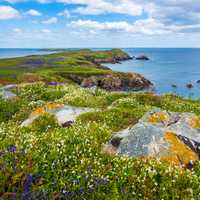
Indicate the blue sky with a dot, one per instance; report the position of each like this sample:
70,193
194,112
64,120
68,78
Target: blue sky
99,23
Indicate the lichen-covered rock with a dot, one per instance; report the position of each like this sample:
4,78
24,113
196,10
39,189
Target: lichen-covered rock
170,136
65,115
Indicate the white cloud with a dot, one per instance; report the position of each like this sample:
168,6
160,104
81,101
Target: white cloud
46,31
148,26
15,1
104,6
65,13
33,12
44,1
17,30
52,20
8,12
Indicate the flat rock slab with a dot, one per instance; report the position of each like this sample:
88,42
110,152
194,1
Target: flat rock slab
5,92
170,136
63,113
7,95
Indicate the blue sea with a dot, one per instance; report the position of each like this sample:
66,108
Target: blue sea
17,52
166,66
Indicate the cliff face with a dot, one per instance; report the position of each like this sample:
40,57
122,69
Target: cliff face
112,81
115,82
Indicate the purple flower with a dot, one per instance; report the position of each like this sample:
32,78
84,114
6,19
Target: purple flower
73,194
12,196
27,187
67,194
53,83
44,196
81,192
76,181
12,148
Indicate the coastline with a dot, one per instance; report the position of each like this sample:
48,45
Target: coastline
84,67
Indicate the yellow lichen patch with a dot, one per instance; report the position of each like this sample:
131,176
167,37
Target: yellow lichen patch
48,106
195,122
158,117
178,152
38,111
53,105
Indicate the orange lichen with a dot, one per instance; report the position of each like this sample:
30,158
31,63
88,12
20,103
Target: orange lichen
38,111
44,109
178,152
158,117
195,122
52,105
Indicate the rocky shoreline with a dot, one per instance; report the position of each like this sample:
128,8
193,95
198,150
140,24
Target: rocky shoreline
115,82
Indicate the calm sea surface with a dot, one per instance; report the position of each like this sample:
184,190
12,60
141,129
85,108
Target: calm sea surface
165,67
12,53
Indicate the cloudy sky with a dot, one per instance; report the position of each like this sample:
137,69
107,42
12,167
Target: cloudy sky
99,23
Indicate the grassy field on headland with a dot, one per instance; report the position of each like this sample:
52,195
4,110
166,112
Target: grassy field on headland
56,66
47,161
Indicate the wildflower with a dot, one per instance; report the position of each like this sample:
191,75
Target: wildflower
27,187
67,194
12,148
44,196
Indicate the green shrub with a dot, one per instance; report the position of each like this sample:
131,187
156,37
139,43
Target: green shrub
43,124
8,108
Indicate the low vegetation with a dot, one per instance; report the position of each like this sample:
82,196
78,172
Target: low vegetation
57,66
46,161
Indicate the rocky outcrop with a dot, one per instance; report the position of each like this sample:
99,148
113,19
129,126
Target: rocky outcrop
114,59
189,85
141,57
172,137
115,81
65,115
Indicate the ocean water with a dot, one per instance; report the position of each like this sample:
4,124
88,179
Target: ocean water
17,52
166,66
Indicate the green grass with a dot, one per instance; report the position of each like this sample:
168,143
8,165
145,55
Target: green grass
45,160
58,65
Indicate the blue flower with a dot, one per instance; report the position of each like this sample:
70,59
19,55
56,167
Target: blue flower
12,148
27,187
44,196
67,194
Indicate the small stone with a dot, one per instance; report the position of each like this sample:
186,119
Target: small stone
116,141
189,85
141,57
67,124
174,85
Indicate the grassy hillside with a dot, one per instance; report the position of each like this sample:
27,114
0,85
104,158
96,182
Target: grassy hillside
57,66
46,161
